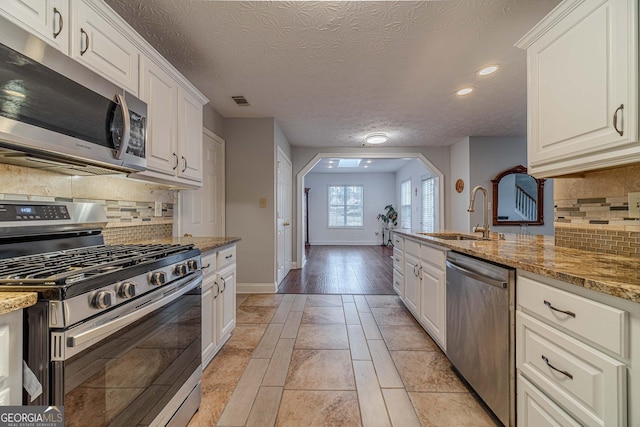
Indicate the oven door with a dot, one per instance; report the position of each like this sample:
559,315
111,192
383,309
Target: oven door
136,368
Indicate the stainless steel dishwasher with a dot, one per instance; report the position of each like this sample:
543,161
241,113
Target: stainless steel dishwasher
480,330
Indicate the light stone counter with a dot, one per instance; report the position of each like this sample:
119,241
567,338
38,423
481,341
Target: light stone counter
11,301
203,243
609,274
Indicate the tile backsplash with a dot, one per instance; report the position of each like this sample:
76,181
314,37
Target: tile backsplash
592,211
129,204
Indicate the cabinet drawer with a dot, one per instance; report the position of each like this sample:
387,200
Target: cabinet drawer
209,264
588,383
398,283
398,241
412,248
599,323
398,260
226,257
537,410
433,256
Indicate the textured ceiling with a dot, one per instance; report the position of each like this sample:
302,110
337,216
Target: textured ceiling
332,72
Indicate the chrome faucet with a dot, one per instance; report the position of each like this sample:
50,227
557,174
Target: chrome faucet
485,226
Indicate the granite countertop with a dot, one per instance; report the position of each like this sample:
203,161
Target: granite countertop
203,243
609,274
11,301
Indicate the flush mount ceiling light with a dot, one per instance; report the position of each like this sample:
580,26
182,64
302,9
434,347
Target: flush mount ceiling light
376,138
464,91
488,70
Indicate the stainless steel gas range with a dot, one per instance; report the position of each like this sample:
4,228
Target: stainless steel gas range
116,334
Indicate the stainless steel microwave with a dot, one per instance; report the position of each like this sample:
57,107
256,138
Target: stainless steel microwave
56,114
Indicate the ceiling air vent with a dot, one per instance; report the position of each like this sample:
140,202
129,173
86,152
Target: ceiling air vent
241,101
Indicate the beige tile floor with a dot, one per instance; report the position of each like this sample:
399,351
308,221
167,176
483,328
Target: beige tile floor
332,360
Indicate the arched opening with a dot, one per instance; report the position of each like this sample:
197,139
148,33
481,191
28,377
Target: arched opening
433,171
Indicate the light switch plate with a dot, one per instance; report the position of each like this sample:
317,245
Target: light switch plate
263,202
157,209
634,202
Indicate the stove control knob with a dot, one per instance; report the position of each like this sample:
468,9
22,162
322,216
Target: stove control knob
126,289
180,270
102,299
193,265
158,278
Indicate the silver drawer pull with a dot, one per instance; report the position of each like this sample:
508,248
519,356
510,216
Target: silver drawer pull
565,373
568,313
228,257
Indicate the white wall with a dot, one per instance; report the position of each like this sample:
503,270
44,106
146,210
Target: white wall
212,120
250,175
460,220
379,191
477,160
415,170
301,156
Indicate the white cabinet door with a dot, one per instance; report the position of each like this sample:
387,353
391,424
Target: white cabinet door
102,47
433,302
160,91
47,19
189,136
412,283
210,295
583,87
227,301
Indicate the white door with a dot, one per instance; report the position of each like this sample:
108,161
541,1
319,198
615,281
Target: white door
203,209
283,216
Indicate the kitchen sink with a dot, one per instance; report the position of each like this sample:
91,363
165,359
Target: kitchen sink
453,236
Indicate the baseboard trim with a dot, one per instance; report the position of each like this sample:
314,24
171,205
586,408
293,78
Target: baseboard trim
256,288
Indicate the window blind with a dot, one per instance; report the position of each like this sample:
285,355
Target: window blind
428,217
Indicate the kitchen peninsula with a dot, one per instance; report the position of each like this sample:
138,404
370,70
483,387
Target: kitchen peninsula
574,316
609,274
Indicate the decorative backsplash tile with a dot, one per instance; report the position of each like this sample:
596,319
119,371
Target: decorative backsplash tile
123,235
610,211
605,241
592,211
129,204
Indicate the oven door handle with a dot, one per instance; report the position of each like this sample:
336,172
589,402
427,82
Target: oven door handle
165,297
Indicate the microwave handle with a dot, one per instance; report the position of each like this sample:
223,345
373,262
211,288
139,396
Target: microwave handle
126,124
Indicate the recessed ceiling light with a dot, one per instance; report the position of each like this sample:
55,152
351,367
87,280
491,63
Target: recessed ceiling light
366,166
330,167
369,161
376,138
464,91
488,70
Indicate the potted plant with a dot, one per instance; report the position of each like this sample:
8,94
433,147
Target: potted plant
390,216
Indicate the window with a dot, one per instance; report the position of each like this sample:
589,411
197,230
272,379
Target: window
405,204
345,205
428,220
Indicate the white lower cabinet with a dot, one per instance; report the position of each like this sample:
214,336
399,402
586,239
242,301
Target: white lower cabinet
433,302
412,284
11,358
569,373
218,303
537,410
423,285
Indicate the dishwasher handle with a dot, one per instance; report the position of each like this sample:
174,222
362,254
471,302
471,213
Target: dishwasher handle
477,276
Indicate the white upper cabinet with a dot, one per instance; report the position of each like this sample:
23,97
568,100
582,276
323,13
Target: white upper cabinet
102,46
582,62
160,91
46,19
174,128
189,136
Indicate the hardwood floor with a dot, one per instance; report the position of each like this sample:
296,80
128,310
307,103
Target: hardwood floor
343,270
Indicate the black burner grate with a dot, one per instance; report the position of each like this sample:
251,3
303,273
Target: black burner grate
76,265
